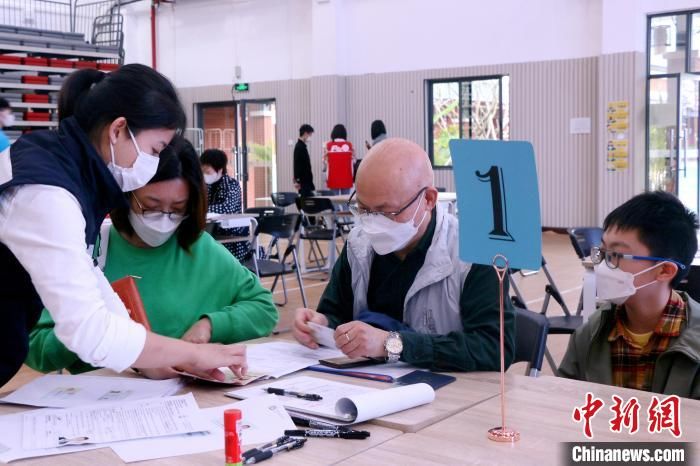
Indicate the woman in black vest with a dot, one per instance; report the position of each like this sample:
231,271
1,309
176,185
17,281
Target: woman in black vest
55,189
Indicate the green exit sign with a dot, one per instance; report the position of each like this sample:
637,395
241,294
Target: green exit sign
241,87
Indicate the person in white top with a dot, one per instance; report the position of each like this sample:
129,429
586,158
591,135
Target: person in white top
55,189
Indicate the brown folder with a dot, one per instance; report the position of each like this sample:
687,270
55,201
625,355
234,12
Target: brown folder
128,292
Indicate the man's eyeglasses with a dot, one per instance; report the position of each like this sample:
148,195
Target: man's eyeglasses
174,216
355,209
612,258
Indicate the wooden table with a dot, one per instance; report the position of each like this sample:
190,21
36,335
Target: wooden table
315,452
541,410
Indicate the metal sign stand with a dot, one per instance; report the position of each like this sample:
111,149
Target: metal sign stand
502,433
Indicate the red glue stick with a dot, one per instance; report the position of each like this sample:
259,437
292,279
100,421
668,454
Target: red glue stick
232,433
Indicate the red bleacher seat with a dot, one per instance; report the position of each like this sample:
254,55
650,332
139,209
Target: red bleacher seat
85,64
36,98
60,63
37,116
11,59
35,79
107,66
36,61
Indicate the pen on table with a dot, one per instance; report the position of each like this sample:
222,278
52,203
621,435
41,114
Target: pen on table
275,443
304,396
356,374
313,424
270,452
350,435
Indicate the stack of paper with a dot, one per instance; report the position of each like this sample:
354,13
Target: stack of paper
65,391
264,420
280,358
46,432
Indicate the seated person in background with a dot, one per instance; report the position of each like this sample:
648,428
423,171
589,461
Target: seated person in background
647,336
398,289
191,287
224,197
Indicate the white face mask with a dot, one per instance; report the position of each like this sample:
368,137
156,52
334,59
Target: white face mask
137,176
616,285
156,230
8,120
212,178
386,235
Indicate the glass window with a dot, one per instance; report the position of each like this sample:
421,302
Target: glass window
667,44
695,44
469,108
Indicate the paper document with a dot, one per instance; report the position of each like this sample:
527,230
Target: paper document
113,422
323,335
280,358
264,420
11,442
344,403
230,378
396,369
65,391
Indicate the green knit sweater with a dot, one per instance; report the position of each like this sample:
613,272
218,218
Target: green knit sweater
177,288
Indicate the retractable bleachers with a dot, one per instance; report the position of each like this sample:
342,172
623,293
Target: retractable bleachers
33,65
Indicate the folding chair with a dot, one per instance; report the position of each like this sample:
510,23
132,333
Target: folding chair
265,211
325,229
279,227
584,238
530,339
283,199
558,325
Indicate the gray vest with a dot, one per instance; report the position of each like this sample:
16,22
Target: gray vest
432,302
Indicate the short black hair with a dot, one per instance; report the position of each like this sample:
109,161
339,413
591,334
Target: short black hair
215,158
177,160
339,132
663,224
305,128
4,104
377,129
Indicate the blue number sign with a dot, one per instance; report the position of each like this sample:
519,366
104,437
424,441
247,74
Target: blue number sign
498,201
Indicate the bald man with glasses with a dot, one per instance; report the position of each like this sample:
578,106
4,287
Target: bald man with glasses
398,290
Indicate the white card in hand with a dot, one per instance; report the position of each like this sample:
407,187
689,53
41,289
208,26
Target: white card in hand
323,335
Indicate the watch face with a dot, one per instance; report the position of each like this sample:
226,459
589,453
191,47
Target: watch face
394,345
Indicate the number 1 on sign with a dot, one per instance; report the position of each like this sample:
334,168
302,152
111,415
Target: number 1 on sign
498,200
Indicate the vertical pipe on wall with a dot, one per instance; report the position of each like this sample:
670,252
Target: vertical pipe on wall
154,4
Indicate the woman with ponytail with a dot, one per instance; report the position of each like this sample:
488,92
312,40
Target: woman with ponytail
55,189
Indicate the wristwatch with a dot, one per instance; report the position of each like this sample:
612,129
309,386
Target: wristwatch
393,346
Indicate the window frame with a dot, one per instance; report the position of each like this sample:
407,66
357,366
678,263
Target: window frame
459,81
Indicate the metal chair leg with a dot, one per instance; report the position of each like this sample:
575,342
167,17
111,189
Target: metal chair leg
551,362
301,283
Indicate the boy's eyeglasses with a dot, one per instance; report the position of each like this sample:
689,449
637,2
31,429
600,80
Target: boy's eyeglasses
612,258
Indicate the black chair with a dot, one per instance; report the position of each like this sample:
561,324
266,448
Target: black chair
278,227
584,238
558,325
325,228
283,199
265,211
530,339
325,192
441,189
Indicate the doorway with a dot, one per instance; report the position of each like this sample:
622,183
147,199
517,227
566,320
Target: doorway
246,131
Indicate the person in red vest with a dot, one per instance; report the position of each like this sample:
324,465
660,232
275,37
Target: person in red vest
338,158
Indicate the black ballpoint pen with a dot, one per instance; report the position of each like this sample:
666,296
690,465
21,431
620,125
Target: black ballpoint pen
351,435
304,396
275,443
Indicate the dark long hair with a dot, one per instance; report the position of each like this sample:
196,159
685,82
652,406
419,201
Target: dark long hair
178,160
136,92
377,129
